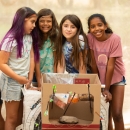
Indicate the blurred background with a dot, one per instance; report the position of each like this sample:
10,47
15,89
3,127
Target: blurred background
116,12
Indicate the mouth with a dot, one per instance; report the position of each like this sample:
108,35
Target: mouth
98,33
45,28
68,33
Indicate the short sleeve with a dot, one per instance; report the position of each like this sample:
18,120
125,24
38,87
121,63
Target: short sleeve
90,41
116,48
81,42
8,45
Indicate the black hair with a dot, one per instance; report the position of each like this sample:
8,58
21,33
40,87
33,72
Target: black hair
102,18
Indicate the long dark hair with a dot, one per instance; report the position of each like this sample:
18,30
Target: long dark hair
17,31
75,42
102,18
52,34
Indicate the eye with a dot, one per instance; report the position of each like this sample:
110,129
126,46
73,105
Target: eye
92,26
33,21
100,24
65,25
73,27
41,21
49,21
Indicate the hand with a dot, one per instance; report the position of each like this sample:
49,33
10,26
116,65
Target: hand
28,85
22,80
35,88
107,94
39,88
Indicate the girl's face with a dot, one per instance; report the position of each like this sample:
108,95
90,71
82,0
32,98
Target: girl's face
29,24
69,30
45,24
97,28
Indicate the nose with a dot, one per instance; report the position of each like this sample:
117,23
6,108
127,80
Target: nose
45,23
34,25
68,28
96,28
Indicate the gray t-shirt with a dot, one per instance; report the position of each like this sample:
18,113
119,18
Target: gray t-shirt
19,65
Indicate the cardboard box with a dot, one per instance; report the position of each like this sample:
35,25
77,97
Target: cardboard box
85,111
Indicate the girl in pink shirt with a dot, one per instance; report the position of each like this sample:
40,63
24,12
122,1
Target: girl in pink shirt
106,53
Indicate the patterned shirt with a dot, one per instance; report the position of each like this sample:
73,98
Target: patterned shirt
46,57
67,50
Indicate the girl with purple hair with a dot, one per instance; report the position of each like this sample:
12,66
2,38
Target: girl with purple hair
17,57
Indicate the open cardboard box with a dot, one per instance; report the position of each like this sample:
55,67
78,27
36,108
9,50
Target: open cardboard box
87,112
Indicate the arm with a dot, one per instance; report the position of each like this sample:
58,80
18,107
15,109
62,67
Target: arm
82,67
38,74
61,67
4,57
109,74
93,63
31,69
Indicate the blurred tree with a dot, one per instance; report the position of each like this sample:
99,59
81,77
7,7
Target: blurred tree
66,3
8,2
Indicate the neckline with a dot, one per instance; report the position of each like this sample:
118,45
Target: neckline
105,40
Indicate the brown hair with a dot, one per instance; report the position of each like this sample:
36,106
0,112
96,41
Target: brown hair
75,42
52,34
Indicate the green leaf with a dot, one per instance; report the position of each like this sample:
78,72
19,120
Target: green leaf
51,100
46,113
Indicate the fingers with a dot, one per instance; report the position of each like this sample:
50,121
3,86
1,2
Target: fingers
35,88
108,97
39,88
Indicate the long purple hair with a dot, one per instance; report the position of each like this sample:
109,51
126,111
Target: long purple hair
17,32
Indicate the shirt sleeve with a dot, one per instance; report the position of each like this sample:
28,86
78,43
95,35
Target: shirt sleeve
81,42
116,48
8,45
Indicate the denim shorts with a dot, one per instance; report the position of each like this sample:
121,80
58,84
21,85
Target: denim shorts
10,89
123,82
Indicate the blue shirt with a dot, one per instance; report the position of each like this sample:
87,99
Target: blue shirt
67,50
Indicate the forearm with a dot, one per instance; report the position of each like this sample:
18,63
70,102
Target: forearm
82,66
31,70
109,74
94,69
61,66
9,72
93,63
4,57
38,77
82,69
38,73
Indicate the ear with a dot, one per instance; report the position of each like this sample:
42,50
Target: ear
25,19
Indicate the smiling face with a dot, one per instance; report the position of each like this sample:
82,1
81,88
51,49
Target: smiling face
45,24
29,24
69,30
97,28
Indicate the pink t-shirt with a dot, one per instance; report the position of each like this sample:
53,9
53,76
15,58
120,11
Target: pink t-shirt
103,50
